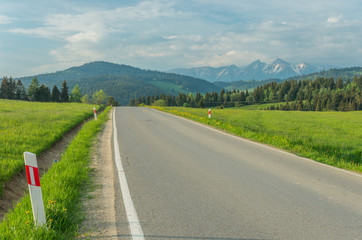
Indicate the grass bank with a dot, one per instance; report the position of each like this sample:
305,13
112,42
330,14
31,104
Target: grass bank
61,188
334,138
33,127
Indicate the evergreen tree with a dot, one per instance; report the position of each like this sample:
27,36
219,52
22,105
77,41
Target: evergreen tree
42,94
7,90
33,88
300,104
56,94
4,88
20,91
11,89
339,83
329,104
64,96
358,82
242,98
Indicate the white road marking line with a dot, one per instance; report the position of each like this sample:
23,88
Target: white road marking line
263,144
134,223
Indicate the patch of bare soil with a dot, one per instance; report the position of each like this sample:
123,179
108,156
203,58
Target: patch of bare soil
18,186
99,202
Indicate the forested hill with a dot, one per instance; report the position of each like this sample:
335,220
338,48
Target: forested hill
123,82
344,73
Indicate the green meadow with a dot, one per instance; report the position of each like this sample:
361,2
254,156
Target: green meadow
334,138
62,188
33,127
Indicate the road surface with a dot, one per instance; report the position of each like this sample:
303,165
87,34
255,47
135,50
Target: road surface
188,181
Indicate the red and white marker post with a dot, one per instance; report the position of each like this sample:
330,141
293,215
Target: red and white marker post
95,113
36,197
210,113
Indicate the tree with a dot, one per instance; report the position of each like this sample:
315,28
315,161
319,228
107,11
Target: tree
42,94
34,85
160,103
99,97
358,82
56,94
7,90
20,91
201,104
64,96
300,104
85,99
75,96
112,102
339,83
4,88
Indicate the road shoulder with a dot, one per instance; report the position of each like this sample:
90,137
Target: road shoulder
99,201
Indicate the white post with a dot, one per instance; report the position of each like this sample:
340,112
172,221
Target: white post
36,197
210,113
95,113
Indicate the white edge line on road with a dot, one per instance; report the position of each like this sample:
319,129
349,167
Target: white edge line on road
134,223
262,144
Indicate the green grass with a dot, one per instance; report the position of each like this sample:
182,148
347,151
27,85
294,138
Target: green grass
334,138
33,127
61,188
260,106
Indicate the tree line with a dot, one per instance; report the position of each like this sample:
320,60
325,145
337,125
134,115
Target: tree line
321,94
15,90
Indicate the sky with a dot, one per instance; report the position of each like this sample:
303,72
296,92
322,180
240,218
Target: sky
42,36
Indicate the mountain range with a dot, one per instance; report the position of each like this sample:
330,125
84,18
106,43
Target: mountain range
257,70
124,82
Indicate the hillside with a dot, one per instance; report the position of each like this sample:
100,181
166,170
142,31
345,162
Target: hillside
123,82
344,73
245,85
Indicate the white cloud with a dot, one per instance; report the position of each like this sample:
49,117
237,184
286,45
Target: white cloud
87,34
164,34
334,19
5,20
90,36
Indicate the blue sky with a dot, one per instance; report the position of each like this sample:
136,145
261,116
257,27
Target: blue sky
42,36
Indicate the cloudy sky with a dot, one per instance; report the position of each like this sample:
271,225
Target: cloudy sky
42,36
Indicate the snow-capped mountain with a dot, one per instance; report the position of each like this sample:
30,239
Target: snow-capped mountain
257,70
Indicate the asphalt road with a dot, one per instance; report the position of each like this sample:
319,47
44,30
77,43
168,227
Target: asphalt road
188,181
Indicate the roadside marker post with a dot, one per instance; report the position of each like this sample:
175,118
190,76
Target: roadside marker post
210,113
95,113
36,197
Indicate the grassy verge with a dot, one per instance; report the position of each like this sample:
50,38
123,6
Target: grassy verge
61,188
33,127
333,138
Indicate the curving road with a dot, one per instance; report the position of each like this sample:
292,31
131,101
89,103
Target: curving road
188,181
